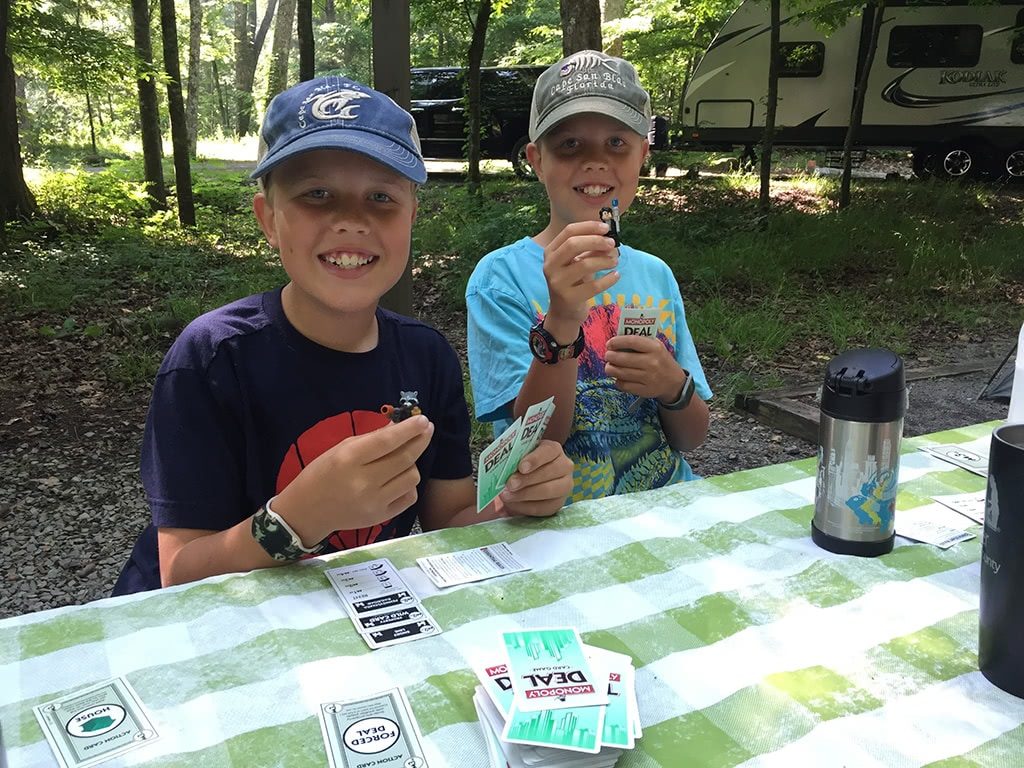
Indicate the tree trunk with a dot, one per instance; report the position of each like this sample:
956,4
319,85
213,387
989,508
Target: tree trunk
195,39
581,25
149,111
329,15
390,43
476,55
284,24
16,200
176,108
764,200
92,126
857,113
611,10
307,66
225,123
248,44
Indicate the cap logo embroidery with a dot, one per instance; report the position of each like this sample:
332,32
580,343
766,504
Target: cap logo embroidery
584,61
335,105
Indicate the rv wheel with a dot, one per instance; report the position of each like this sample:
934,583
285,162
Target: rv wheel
923,163
957,163
520,164
1014,164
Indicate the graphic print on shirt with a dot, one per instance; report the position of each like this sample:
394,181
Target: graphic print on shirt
321,437
615,451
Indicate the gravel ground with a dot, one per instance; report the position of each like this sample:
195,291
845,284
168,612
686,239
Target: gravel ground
71,503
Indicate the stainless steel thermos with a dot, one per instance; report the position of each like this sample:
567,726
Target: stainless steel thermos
863,402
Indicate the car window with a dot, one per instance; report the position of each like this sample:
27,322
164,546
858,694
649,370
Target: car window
435,84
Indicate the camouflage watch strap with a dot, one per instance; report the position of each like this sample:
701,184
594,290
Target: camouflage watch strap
277,538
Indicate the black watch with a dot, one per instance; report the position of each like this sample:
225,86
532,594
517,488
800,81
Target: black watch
277,537
685,395
549,351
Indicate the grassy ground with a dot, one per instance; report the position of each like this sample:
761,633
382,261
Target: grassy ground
910,264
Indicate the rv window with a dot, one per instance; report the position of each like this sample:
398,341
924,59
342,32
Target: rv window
935,45
801,59
1017,44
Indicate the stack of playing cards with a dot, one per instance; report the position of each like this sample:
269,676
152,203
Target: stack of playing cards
382,607
95,724
376,730
499,461
553,701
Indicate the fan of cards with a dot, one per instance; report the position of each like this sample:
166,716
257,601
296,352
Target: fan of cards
499,460
553,701
383,609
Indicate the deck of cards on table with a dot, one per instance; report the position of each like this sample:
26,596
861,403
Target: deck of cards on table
383,609
499,460
549,700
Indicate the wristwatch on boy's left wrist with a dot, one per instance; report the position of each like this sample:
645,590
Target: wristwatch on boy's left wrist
273,533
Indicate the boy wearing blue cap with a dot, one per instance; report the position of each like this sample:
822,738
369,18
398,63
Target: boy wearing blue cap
545,311
270,435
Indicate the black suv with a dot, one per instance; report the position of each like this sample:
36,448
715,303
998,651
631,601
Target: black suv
505,93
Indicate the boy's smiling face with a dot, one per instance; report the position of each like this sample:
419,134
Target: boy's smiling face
342,224
585,162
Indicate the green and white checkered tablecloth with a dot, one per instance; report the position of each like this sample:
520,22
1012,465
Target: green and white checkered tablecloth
753,646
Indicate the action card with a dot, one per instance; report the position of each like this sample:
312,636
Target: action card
95,724
535,421
376,730
549,670
975,461
471,565
491,463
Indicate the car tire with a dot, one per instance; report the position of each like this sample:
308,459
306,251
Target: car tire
517,157
923,163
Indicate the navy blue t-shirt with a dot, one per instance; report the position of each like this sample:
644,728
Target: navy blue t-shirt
243,401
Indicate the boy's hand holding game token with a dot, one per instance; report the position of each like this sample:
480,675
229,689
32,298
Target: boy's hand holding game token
362,481
571,263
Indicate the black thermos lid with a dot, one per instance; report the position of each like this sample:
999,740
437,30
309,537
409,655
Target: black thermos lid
865,385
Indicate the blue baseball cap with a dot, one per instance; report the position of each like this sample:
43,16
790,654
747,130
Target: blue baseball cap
338,113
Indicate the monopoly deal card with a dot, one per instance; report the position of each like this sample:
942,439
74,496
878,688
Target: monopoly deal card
548,669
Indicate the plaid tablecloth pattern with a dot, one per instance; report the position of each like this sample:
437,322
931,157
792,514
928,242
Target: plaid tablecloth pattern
754,647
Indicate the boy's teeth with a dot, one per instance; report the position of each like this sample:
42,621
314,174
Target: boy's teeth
347,260
594,190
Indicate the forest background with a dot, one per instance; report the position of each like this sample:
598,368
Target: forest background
98,274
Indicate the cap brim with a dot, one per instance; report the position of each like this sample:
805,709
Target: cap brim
384,151
633,119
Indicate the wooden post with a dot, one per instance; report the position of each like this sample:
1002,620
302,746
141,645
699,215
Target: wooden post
391,63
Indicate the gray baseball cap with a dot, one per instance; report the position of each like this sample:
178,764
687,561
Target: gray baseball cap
589,81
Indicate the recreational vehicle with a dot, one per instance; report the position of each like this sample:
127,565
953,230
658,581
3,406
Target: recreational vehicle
946,82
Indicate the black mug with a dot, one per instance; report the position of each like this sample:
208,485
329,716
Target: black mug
1001,610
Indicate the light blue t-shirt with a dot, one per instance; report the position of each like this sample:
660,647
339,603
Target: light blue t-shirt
614,451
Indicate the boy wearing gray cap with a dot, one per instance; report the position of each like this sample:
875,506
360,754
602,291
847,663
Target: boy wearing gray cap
270,435
544,311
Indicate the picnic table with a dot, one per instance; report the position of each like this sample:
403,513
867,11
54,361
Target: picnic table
753,646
